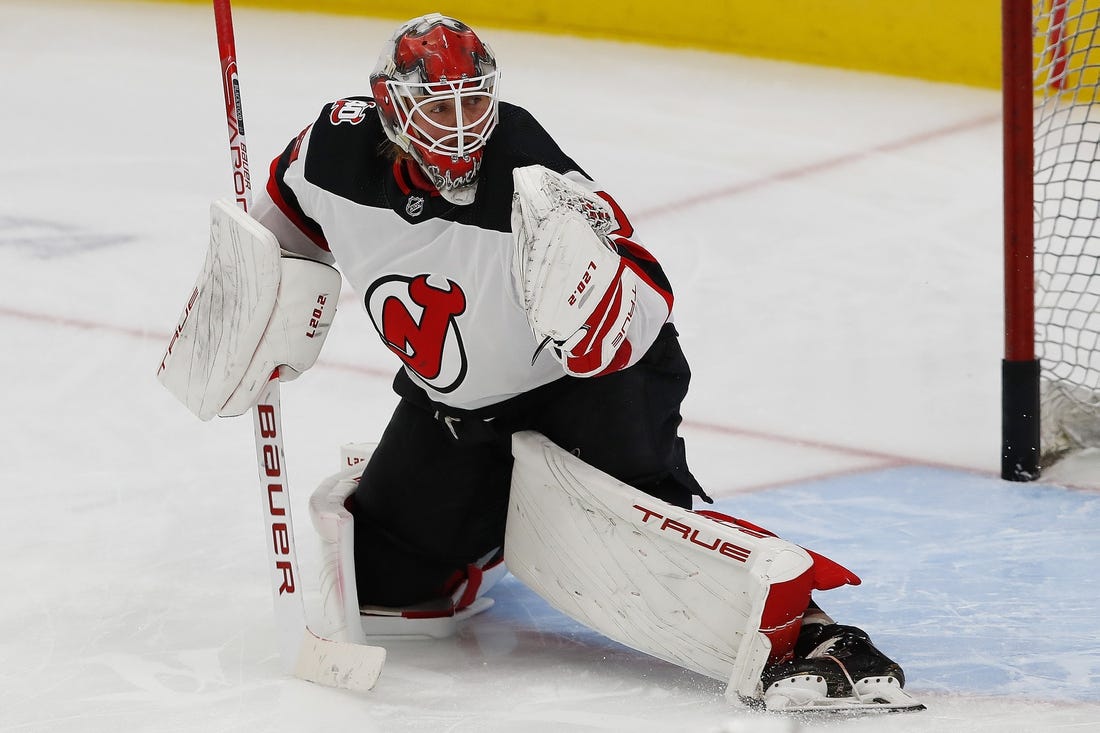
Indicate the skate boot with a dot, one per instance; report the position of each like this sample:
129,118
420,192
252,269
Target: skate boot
836,668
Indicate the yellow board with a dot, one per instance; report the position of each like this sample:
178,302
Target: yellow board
944,40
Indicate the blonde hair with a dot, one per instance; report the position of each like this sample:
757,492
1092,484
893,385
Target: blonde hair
389,150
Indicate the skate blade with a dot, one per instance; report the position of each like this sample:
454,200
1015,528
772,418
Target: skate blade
873,696
849,706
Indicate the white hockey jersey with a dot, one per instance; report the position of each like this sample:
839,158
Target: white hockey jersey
435,277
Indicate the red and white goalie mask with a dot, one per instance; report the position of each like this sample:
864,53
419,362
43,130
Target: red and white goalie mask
436,89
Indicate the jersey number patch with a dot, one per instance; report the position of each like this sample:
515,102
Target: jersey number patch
417,321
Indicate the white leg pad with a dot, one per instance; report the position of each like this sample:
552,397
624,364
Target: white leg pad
344,619
682,587
335,527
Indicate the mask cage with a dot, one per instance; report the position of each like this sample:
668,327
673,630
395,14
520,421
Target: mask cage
457,138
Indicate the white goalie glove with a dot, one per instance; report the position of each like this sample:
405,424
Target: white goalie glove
252,311
578,292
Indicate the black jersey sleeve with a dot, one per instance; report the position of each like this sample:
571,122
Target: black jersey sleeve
342,157
285,199
521,141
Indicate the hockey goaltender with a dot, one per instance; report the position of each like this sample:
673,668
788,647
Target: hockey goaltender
540,387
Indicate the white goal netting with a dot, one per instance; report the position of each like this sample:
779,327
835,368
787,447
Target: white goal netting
1067,221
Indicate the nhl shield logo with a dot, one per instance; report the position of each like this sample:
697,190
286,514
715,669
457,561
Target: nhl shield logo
414,206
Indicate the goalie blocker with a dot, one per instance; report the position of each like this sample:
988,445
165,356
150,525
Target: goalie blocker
252,311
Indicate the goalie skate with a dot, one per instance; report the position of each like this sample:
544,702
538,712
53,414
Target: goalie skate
809,693
419,622
837,669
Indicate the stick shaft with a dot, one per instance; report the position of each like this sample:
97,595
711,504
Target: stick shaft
290,618
234,110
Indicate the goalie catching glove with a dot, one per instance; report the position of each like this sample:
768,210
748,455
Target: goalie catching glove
579,292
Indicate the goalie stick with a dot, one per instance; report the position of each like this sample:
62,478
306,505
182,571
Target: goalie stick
304,653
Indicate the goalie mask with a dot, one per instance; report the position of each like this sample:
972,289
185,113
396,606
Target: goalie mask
436,89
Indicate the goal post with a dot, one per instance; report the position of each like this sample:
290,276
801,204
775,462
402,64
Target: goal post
1051,366
1019,368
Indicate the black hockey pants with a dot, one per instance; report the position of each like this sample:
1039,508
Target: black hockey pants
434,496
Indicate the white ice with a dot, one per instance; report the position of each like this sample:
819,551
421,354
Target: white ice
834,241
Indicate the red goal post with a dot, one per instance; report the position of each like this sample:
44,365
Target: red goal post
1051,366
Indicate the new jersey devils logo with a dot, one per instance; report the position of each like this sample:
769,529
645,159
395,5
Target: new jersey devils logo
349,110
416,320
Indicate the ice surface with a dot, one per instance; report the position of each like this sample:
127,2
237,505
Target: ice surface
834,242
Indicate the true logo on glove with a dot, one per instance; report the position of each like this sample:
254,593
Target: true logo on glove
179,329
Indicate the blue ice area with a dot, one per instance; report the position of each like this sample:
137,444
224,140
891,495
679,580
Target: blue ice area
974,584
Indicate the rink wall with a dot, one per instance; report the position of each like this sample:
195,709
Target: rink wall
943,40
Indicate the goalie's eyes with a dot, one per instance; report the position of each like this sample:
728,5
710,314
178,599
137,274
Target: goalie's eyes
442,111
439,109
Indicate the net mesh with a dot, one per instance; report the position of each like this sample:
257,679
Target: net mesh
1067,222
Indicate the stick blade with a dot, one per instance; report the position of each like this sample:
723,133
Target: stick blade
338,663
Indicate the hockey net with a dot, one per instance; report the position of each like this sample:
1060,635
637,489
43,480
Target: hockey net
1066,80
